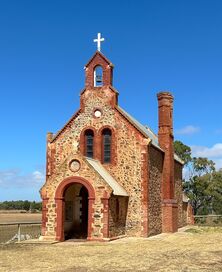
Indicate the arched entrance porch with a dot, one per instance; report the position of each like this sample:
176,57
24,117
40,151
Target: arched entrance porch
74,199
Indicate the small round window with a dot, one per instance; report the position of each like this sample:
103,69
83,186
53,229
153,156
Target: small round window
74,165
97,113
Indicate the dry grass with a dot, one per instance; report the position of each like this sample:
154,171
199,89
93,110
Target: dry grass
194,250
20,217
9,231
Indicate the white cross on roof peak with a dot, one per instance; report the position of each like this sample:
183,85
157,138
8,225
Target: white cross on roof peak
98,41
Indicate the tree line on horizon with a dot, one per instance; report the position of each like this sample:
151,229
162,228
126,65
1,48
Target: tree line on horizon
23,205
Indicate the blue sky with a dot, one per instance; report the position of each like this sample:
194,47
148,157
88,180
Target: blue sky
155,45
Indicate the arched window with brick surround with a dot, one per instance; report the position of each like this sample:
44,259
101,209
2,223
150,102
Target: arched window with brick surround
98,76
89,142
106,145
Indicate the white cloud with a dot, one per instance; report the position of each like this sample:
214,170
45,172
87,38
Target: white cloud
14,178
218,163
187,130
38,176
214,153
203,151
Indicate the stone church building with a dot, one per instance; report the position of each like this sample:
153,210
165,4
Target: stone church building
107,175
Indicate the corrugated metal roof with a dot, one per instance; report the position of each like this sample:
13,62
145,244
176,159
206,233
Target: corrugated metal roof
117,189
145,130
177,158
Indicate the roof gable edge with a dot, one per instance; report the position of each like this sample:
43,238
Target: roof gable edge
102,56
66,125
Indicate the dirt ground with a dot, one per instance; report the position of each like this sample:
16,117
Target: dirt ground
197,249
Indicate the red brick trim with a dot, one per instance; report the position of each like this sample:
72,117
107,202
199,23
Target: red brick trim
48,154
169,215
66,125
52,158
82,142
59,199
145,190
44,215
110,87
100,55
105,219
98,60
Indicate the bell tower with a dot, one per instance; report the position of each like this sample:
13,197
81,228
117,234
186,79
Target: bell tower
98,72
99,78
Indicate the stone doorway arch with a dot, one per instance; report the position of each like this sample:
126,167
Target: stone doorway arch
60,205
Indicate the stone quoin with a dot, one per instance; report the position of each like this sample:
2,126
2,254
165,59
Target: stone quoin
107,175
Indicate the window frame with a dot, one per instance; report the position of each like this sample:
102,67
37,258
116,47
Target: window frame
86,152
103,145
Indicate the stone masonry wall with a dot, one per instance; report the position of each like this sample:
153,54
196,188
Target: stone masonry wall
184,213
154,190
127,169
117,215
178,192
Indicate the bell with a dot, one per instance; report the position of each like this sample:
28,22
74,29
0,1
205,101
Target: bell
99,79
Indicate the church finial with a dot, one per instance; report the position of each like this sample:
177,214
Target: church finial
98,41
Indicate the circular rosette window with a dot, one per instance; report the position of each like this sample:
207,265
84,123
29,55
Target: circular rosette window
74,165
97,113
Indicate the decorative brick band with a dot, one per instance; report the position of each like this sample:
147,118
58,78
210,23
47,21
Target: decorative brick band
170,215
44,213
145,180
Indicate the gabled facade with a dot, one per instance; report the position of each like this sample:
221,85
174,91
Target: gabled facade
107,175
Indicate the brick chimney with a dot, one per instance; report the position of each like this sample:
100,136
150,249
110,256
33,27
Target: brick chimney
165,135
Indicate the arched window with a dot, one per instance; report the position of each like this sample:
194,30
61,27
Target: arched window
98,76
89,136
106,145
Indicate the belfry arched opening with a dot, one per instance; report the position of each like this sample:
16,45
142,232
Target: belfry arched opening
76,212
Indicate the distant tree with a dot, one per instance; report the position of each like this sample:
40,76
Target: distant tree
37,206
202,166
26,205
183,151
21,205
197,187
215,191
202,184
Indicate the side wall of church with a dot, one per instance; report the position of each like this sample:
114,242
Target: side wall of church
178,168
128,171
154,191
